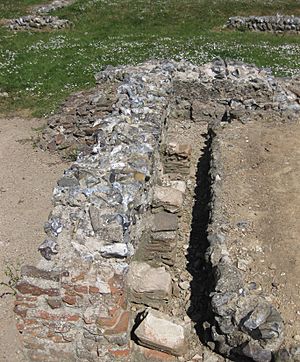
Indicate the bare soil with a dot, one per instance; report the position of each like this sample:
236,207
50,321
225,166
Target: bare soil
261,186
27,177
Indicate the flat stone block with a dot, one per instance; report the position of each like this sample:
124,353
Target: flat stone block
147,284
159,331
167,197
179,149
165,221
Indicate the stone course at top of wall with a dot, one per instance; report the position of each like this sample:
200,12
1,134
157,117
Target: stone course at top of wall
88,299
277,24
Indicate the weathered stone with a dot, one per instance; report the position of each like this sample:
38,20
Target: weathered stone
68,181
48,248
33,272
118,250
164,221
147,284
159,331
179,150
169,198
258,354
106,225
288,355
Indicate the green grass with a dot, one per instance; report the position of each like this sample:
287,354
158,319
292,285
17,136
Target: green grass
14,8
39,70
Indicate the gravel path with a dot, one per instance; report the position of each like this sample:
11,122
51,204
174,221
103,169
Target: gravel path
27,176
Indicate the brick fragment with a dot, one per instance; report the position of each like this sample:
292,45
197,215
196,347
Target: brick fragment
155,356
69,299
93,290
56,317
78,277
121,326
22,312
120,353
109,322
81,289
27,288
25,298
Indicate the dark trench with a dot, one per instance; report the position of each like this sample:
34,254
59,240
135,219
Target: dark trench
203,283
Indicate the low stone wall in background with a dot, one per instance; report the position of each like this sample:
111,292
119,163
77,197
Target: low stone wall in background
277,24
106,289
39,18
38,22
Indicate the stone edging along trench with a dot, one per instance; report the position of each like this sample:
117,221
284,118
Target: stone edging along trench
276,24
104,289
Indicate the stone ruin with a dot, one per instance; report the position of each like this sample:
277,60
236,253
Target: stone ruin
275,24
133,268
40,20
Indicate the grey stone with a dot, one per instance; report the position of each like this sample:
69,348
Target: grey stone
67,181
258,354
48,248
165,221
118,250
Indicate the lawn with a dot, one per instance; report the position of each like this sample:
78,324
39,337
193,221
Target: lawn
38,70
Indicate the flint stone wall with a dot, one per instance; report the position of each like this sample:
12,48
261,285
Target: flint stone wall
276,24
40,20
115,220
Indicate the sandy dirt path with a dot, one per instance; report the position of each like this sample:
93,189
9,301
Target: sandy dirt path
27,177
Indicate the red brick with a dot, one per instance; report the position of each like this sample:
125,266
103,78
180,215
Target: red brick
25,298
78,277
20,311
69,299
116,284
121,326
110,321
119,353
27,288
93,290
56,317
67,286
81,289
156,356
20,326
58,326
56,338
29,322
24,304
122,302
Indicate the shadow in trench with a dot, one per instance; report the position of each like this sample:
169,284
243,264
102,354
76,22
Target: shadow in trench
202,282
